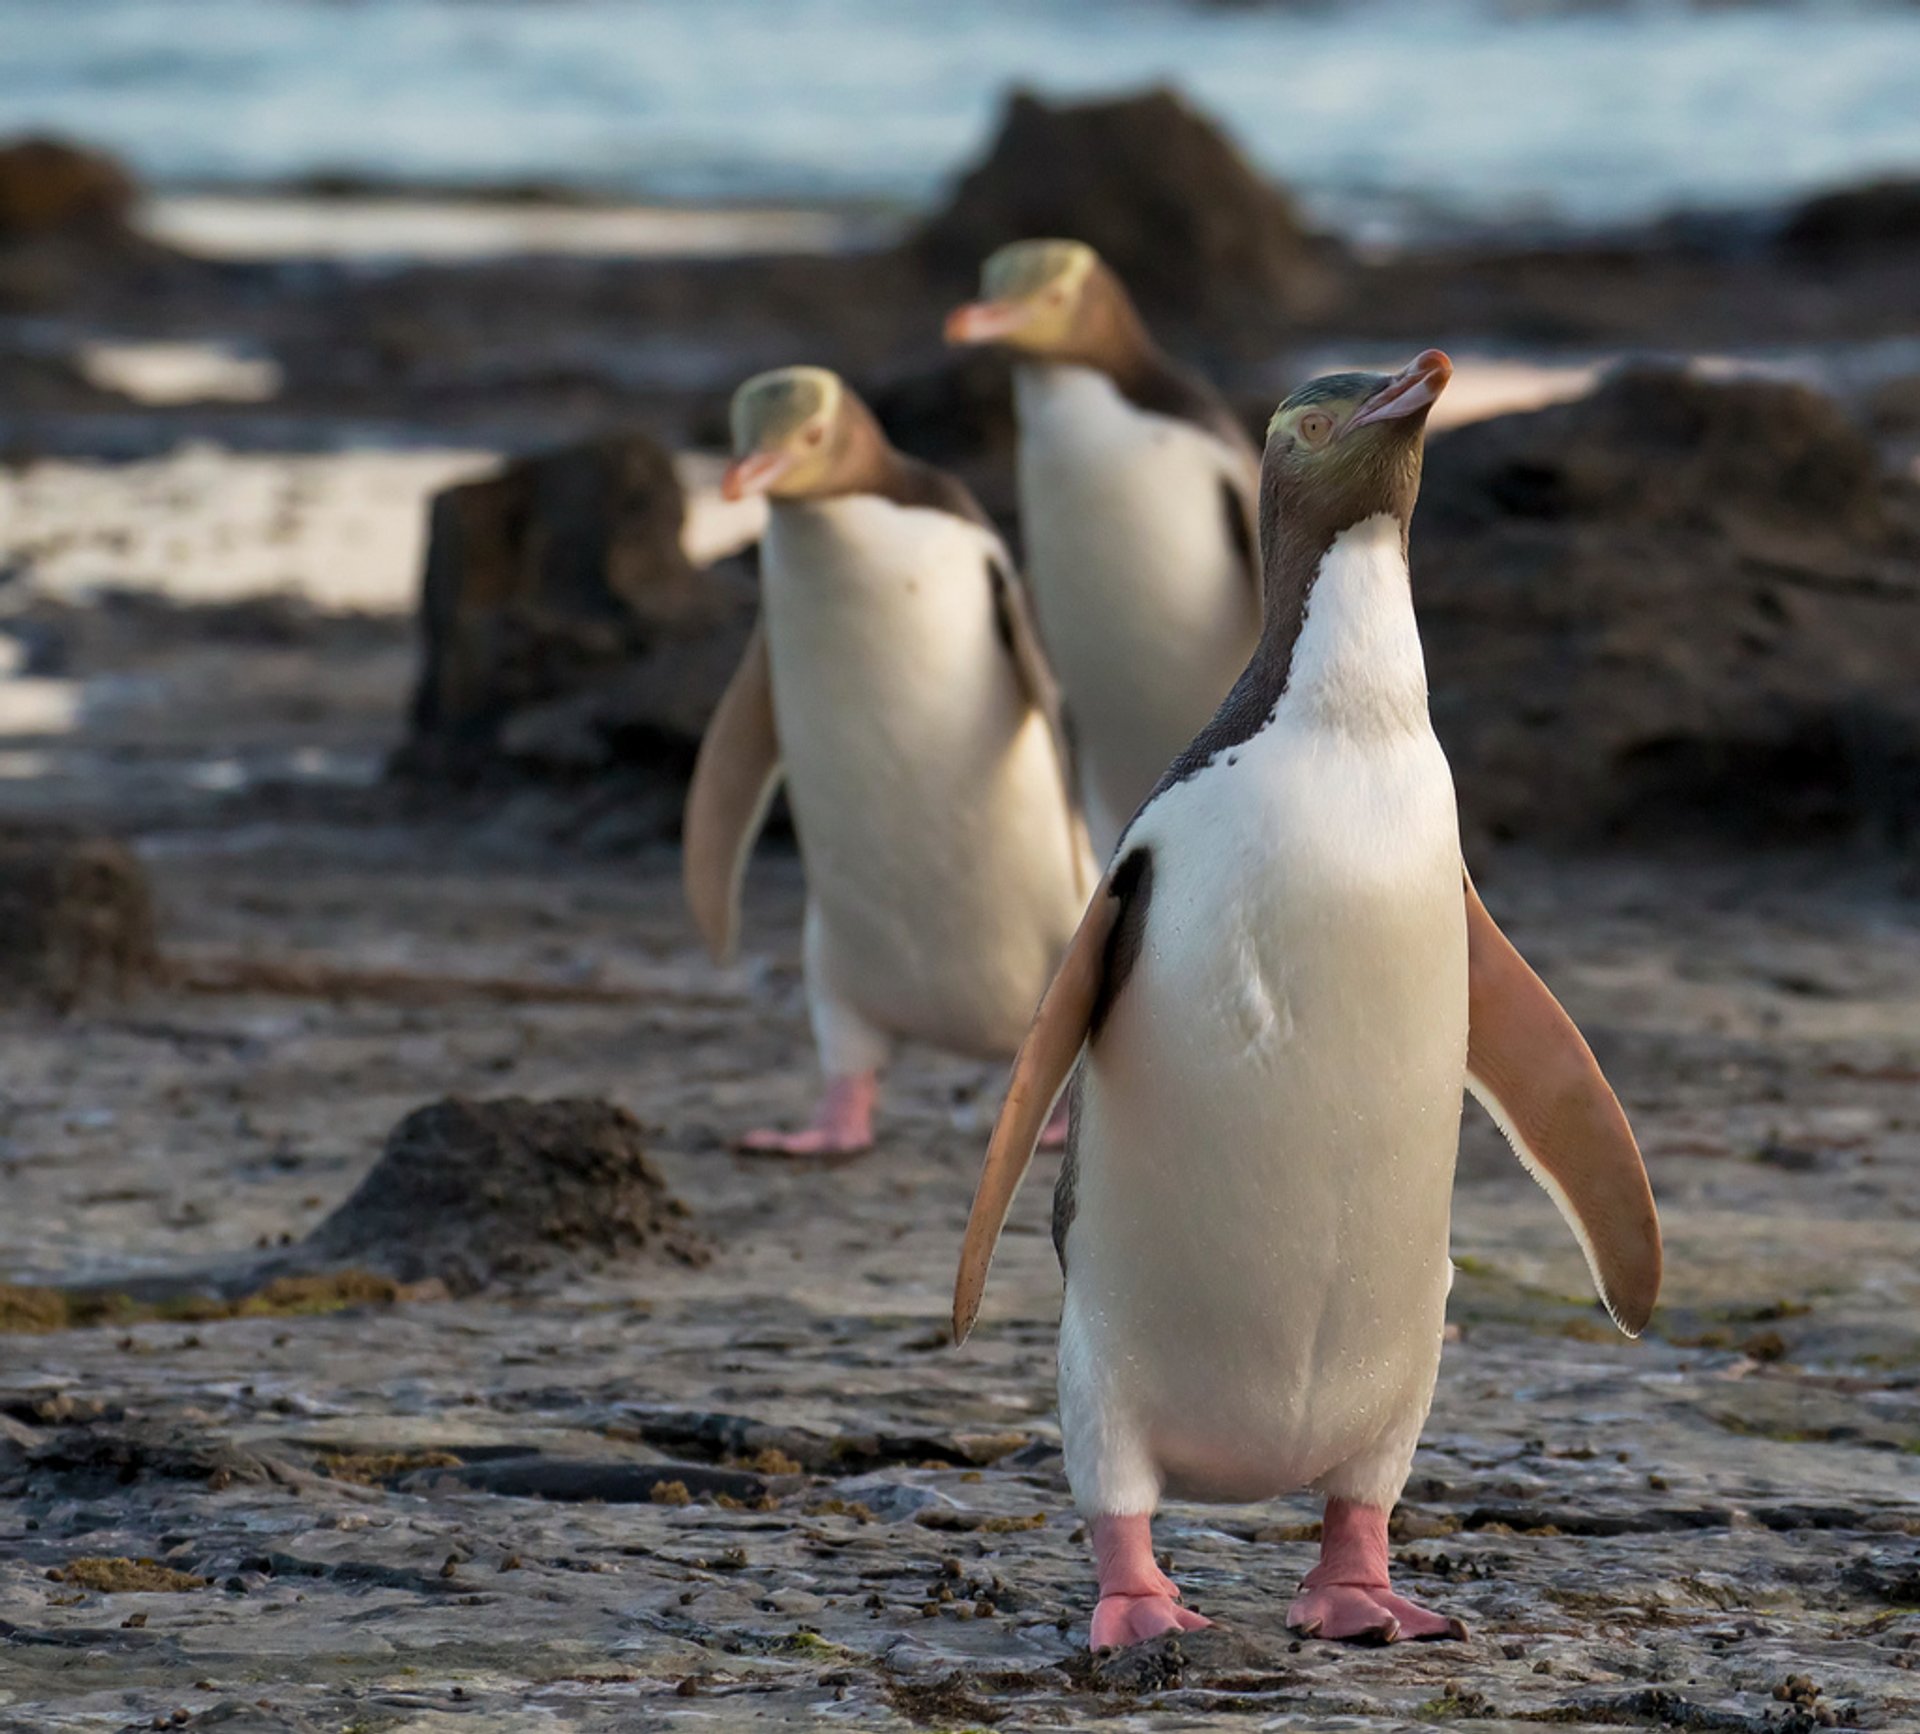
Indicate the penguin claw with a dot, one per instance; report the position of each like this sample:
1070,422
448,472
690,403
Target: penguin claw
1422,1625
1355,1614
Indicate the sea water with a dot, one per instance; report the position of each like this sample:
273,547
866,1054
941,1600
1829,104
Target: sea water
1383,114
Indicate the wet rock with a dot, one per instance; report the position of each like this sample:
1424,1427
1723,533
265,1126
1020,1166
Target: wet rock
473,1193
1680,603
1156,187
1887,1576
231,1716
1179,1658
1850,223
76,918
573,1481
49,186
564,628
97,1460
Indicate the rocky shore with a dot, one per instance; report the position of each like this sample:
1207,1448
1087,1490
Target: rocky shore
393,1342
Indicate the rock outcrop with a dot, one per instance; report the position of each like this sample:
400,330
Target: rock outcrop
51,187
475,1193
1681,603
565,630
1154,185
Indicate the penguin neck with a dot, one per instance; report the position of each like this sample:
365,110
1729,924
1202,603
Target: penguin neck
1342,633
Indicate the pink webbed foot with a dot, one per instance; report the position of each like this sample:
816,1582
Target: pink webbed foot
1346,1598
1138,1600
842,1124
1053,1135
1122,1620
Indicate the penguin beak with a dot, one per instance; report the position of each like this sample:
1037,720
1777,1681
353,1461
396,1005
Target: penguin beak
1414,389
756,473
986,321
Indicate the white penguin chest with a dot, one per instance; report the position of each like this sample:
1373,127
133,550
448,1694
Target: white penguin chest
943,867
1270,1116
1139,569
1123,508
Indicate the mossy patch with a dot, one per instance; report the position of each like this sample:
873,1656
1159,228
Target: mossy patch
28,1309
372,1468
31,1309
121,1576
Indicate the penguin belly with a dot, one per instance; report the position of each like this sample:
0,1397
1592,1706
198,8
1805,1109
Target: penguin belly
1144,597
944,874
1257,1262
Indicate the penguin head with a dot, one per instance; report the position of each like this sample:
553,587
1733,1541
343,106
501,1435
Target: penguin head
1348,446
797,433
1055,300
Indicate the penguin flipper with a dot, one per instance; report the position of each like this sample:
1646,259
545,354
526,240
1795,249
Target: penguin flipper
734,778
1040,1072
1531,1069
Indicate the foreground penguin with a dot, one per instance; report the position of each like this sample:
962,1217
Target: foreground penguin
895,680
1281,987
1137,502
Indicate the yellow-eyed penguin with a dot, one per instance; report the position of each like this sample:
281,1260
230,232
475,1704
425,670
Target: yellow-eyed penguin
1281,988
1138,495
896,682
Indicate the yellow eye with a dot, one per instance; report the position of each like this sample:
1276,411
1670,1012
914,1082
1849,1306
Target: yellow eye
1314,427
815,434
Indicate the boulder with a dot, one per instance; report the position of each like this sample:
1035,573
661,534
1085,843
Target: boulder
564,627
1679,604
50,187
1852,224
76,918
1159,190
474,1193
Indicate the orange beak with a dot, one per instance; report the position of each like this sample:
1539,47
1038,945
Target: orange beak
754,474
1415,387
986,321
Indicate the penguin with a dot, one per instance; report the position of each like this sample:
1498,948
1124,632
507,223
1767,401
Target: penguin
894,680
1138,504
1279,993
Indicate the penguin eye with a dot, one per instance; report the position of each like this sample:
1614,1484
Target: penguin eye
815,434
1314,427
1057,296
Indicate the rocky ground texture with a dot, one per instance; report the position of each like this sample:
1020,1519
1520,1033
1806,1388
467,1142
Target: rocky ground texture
393,1341
720,1465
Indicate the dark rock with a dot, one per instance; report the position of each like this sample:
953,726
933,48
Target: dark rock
91,1461
575,1481
1678,604
472,1193
1163,195
1893,406
50,187
76,918
1889,1577
1184,1659
1855,222
565,629
958,411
